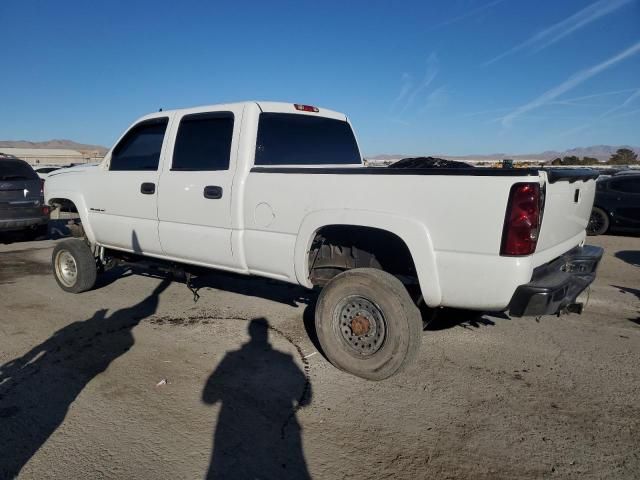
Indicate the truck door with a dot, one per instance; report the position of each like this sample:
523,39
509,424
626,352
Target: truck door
195,202
123,207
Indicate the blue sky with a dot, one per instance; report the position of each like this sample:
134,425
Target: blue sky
437,77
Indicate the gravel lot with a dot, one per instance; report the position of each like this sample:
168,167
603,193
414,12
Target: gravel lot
81,391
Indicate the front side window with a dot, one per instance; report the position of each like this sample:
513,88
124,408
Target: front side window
203,142
293,139
141,146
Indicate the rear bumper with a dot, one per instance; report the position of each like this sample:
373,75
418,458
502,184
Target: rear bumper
557,284
21,223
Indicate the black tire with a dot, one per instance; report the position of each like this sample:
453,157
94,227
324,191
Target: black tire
367,323
598,222
74,255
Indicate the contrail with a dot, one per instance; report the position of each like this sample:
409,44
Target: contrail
566,27
470,13
569,84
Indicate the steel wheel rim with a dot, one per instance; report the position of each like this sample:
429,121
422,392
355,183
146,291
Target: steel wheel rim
596,222
360,325
66,268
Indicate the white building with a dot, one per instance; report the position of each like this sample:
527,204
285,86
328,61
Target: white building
51,156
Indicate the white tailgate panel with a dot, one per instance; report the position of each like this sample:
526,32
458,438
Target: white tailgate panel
563,218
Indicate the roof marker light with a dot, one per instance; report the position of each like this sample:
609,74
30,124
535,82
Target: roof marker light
306,108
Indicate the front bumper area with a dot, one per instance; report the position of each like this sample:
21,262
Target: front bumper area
557,284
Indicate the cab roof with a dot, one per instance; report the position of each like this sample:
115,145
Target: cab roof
264,106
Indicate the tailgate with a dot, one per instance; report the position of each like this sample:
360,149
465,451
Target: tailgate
568,201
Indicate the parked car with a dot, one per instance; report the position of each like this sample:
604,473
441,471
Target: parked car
617,205
280,191
22,204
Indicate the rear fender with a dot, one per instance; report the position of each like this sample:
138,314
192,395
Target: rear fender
414,234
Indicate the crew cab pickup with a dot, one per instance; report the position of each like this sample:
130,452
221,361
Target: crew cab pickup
280,191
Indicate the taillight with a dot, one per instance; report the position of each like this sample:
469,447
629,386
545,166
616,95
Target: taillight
523,219
306,108
46,210
42,186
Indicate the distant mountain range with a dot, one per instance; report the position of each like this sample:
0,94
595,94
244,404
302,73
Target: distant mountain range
601,152
56,143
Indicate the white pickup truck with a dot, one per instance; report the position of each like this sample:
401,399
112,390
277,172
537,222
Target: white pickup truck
280,191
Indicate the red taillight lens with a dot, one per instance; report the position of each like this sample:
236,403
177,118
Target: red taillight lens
306,108
45,210
522,222
42,186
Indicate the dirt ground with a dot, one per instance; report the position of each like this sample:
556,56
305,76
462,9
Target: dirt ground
134,380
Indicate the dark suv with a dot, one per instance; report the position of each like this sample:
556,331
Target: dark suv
617,205
21,199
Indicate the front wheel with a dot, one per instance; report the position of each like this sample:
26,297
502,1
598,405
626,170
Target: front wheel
367,323
74,266
598,222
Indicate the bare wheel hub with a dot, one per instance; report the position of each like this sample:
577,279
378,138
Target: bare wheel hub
360,324
66,268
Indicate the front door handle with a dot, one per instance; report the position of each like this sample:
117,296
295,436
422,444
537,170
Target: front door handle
213,192
148,188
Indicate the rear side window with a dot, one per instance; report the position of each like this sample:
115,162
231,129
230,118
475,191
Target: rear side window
627,185
140,148
292,139
11,169
204,142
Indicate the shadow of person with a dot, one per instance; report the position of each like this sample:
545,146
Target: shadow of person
37,389
257,434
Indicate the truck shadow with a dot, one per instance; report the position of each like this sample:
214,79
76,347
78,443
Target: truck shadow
260,389
273,290
37,389
293,295
454,317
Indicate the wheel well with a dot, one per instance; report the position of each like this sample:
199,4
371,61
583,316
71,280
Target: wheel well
337,248
604,209
64,204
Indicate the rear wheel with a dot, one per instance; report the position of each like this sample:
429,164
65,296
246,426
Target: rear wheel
367,323
74,266
598,222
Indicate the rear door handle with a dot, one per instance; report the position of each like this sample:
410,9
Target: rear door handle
148,188
213,192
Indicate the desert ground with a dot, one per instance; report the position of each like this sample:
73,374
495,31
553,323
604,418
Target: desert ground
136,380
